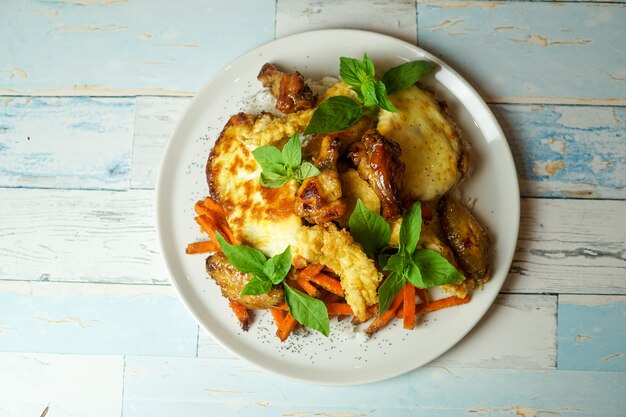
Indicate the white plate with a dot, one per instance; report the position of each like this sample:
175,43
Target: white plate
344,357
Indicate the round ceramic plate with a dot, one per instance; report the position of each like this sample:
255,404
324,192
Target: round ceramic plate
346,357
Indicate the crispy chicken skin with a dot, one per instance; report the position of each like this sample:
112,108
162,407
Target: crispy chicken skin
320,199
288,88
466,237
377,160
232,281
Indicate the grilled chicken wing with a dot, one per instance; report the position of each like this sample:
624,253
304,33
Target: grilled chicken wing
377,160
466,237
289,89
232,281
320,199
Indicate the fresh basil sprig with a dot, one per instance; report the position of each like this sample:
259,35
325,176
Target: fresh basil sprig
281,166
266,273
423,268
339,113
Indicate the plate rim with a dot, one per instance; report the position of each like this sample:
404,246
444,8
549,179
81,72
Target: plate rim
186,114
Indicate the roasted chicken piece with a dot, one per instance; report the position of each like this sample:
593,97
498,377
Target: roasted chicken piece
232,281
320,199
377,160
288,88
466,237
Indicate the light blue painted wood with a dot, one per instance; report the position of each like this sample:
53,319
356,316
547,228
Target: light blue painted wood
592,333
193,387
94,319
567,151
66,142
531,51
109,46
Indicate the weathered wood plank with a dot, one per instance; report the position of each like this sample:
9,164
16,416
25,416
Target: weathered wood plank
567,151
592,332
155,121
518,332
77,235
66,142
94,319
120,48
570,246
395,18
531,52
64,385
158,386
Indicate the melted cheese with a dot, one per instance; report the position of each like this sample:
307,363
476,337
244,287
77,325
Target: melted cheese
430,144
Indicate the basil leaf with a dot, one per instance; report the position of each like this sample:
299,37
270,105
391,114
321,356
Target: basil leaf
405,75
351,71
411,228
244,258
368,93
388,290
435,268
369,229
292,152
382,99
413,274
370,71
267,155
306,170
307,310
335,114
273,179
277,267
257,286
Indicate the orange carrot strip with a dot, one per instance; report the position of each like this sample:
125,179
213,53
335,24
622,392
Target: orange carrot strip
382,320
423,295
207,225
213,206
408,306
202,247
400,312
445,303
307,287
278,315
286,326
281,307
370,312
328,283
338,308
311,270
242,313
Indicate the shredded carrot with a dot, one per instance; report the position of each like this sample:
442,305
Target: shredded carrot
281,307
242,313
286,327
299,262
382,320
202,247
370,312
329,284
338,308
311,270
278,315
423,295
214,206
445,303
307,287
400,312
408,306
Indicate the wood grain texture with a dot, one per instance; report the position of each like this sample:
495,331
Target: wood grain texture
77,235
519,331
66,142
531,51
94,319
64,385
395,18
166,386
592,332
570,246
567,151
158,47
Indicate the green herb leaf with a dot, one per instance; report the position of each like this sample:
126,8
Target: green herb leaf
368,93
411,228
292,152
306,170
277,267
272,179
257,286
334,114
405,75
388,290
244,258
369,229
413,274
268,155
435,268
307,310
382,99
352,71
370,71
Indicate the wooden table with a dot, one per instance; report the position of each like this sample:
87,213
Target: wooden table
91,91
